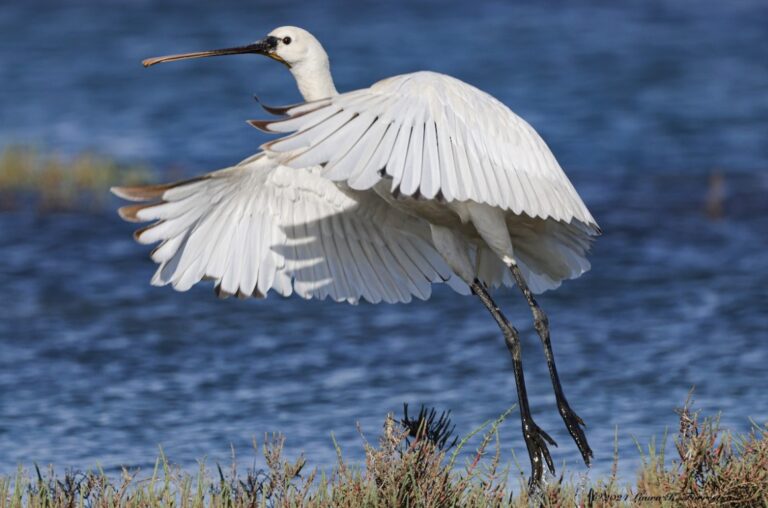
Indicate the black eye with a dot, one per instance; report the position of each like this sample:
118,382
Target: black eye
286,40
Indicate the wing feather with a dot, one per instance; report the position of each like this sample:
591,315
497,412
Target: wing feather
478,150
413,160
359,154
396,162
445,162
261,226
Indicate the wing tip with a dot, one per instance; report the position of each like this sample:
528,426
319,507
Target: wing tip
151,192
130,213
139,192
137,234
275,110
262,125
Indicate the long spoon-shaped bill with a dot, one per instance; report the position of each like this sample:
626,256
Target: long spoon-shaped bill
262,47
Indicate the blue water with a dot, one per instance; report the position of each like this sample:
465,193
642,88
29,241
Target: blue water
639,102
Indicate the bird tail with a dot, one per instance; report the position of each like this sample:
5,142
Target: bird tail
547,252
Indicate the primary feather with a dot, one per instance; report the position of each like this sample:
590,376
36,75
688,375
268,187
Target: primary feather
261,226
453,140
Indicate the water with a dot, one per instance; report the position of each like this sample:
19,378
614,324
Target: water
638,102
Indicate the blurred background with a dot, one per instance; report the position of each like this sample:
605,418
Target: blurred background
657,110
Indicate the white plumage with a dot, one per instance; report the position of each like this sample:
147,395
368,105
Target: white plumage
376,194
429,141
260,226
437,140
431,133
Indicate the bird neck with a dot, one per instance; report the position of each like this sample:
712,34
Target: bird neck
314,79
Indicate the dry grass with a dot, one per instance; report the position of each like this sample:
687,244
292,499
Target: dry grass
50,183
415,463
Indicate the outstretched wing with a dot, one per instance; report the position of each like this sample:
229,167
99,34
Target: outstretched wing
260,226
433,135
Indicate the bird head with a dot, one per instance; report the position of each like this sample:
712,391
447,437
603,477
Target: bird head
288,45
294,47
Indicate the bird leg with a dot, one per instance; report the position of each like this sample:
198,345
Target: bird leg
535,439
572,421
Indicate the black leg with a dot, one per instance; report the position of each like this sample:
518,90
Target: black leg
535,439
541,323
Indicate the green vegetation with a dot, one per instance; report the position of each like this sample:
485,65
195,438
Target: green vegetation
415,463
53,184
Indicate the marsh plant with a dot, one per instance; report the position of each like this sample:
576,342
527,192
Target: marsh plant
416,462
51,183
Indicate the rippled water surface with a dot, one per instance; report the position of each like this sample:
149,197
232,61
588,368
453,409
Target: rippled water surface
640,103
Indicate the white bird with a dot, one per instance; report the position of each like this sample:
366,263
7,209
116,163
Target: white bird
377,194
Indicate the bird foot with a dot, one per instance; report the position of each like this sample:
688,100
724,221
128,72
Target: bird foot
536,441
574,425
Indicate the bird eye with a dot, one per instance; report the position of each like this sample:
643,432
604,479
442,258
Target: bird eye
286,40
